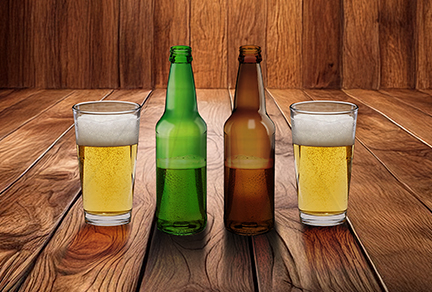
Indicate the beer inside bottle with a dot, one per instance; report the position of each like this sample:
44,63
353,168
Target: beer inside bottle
249,141
181,142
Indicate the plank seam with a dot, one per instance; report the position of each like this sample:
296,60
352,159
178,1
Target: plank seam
15,91
253,264
390,119
43,154
404,185
35,162
287,120
30,267
64,214
368,258
401,100
152,228
34,117
147,254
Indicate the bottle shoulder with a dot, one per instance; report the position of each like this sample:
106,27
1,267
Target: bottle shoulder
250,120
181,125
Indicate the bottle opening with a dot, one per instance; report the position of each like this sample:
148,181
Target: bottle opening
250,54
180,54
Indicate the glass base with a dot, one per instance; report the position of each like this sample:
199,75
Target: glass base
181,228
322,220
107,220
249,229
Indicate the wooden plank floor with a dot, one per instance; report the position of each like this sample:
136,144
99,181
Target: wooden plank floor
393,222
385,246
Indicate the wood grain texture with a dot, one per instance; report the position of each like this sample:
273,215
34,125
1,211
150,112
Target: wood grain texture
45,246
295,257
21,149
413,120
17,48
427,91
424,44
208,30
14,96
360,51
27,222
75,45
87,43
136,43
22,112
3,94
104,43
213,260
284,44
170,30
397,43
4,36
246,26
118,43
85,257
420,100
322,44
43,67
405,157
393,226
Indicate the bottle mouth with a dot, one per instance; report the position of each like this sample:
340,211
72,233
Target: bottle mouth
250,54
180,54
250,49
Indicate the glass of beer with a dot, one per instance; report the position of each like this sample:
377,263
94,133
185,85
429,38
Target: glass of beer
323,134
107,142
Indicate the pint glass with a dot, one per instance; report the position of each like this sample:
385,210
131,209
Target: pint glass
107,142
323,134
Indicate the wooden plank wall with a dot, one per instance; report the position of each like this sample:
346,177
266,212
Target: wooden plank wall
368,44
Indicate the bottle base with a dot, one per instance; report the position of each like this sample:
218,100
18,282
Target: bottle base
181,228
322,220
249,228
107,220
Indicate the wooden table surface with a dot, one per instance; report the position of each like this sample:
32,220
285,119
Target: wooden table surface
386,245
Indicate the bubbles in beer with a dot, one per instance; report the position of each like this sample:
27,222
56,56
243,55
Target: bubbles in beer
323,130
107,130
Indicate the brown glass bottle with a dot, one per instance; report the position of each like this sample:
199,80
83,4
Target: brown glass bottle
249,152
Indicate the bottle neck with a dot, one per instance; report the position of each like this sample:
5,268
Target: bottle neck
249,93
181,96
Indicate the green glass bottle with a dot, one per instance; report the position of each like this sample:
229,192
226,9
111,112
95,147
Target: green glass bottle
181,153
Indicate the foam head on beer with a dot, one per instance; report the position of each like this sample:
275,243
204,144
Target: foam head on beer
323,130
107,130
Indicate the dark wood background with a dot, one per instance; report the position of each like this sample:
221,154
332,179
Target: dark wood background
369,44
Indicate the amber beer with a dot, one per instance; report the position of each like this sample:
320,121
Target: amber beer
323,140
249,152
107,143
249,191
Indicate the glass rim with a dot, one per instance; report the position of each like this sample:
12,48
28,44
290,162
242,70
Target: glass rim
354,107
137,107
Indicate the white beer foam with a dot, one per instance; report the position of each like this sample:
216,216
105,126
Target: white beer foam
323,130
107,130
